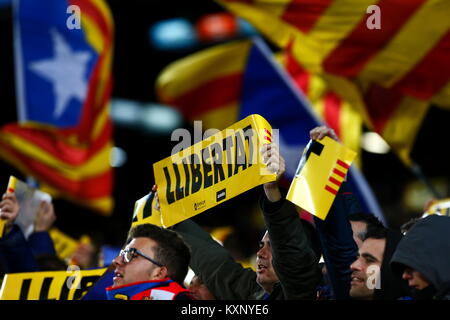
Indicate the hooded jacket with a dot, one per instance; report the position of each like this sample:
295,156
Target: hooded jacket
426,249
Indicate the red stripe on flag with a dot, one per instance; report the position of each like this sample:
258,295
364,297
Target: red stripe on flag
58,148
303,14
209,96
89,8
339,173
267,138
10,190
301,76
430,75
267,132
335,181
332,112
381,104
343,164
328,188
93,187
352,54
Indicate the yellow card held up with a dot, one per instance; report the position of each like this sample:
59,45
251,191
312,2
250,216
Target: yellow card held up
213,170
319,175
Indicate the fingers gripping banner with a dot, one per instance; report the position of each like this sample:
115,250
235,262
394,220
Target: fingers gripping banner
213,170
319,176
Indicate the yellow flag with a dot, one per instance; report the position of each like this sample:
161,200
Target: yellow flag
49,285
11,187
213,170
319,175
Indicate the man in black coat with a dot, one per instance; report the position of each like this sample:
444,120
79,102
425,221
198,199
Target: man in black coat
423,258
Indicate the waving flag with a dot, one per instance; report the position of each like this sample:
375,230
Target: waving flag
390,75
260,86
63,80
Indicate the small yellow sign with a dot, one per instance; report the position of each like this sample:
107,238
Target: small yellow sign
319,175
11,187
49,285
213,170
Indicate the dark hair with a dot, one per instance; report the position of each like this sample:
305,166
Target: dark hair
368,218
172,251
375,233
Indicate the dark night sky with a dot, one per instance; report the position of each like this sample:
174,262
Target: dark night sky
136,65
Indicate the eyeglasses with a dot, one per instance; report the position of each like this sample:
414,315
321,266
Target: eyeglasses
130,253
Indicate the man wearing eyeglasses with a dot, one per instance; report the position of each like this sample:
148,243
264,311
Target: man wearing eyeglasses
152,266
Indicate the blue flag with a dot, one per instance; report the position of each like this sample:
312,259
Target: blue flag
53,63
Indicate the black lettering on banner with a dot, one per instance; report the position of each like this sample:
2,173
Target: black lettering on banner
64,295
207,167
241,160
85,284
314,147
147,211
216,155
248,135
25,289
227,145
179,191
169,194
188,177
196,173
43,293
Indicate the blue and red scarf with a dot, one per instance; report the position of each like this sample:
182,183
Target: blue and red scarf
165,289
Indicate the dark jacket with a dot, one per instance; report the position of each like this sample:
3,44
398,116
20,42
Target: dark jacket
426,249
336,237
225,278
16,253
293,259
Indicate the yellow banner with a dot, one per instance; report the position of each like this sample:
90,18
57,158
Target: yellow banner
319,176
213,170
49,285
11,187
65,246
149,215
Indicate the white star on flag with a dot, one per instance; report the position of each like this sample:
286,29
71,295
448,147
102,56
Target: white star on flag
66,71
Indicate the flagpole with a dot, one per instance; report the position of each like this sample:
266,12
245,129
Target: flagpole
417,170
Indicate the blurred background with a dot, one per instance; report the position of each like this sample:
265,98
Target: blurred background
148,36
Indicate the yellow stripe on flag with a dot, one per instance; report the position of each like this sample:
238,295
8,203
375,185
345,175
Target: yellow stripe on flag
176,79
410,44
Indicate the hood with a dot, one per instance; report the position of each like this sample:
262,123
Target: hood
392,287
426,248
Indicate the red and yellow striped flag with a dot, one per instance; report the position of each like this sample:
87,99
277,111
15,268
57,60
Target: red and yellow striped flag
335,112
389,75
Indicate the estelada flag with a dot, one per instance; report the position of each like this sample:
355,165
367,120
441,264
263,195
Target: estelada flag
63,78
389,75
320,174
